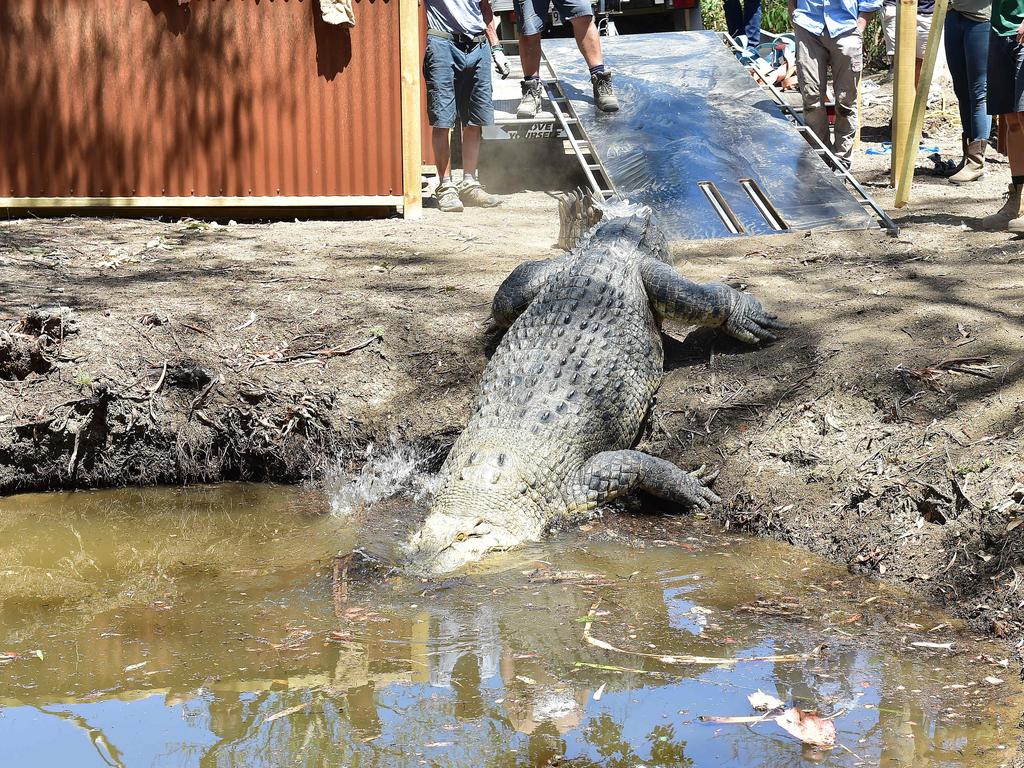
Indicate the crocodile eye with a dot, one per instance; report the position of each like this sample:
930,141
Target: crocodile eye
460,537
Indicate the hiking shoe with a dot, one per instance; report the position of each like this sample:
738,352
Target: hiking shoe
532,95
448,200
1010,212
604,94
473,194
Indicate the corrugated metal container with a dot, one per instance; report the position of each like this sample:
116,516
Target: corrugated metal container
213,99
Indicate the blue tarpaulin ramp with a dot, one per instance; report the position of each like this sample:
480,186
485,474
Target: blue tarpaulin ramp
702,143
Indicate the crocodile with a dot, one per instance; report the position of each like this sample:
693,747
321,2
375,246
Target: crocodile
565,394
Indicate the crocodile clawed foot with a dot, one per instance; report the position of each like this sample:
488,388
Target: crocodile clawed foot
750,323
696,490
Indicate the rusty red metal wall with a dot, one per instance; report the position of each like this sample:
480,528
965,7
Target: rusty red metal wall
111,98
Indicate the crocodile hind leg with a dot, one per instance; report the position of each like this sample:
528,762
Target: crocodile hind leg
716,304
615,473
518,290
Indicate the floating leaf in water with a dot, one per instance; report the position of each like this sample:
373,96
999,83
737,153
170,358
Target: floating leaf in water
731,719
285,713
9,656
599,692
133,667
935,646
764,702
808,727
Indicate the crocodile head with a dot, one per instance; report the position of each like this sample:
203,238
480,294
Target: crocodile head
482,507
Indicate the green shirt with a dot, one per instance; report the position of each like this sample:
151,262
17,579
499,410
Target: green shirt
1007,16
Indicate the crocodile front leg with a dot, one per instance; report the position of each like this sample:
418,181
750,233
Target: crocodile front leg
519,289
615,473
715,304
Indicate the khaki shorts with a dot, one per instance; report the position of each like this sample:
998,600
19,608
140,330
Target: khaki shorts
924,27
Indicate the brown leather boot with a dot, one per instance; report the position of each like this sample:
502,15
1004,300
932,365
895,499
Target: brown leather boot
1010,212
974,163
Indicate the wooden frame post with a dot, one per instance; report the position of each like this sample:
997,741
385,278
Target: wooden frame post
903,81
908,158
412,149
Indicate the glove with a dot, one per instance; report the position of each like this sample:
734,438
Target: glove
501,65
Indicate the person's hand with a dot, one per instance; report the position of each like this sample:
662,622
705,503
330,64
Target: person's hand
862,24
501,65
1020,33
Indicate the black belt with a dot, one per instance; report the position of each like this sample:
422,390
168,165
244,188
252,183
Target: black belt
458,37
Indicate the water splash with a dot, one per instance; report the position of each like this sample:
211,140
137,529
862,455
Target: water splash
388,469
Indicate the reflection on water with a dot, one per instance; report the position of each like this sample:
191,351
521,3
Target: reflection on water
212,627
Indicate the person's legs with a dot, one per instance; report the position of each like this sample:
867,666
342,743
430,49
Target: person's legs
440,143
1015,145
976,60
968,65
924,27
846,58
956,58
439,75
752,22
889,32
476,108
472,137
589,41
811,63
1006,99
529,54
734,20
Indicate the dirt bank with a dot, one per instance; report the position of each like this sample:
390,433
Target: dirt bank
881,430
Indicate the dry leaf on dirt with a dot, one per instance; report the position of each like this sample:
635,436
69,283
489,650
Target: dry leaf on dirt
808,727
764,702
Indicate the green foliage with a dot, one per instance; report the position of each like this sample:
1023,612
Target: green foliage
775,18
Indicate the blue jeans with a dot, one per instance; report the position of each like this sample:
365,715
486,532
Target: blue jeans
967,55
458,81
743,17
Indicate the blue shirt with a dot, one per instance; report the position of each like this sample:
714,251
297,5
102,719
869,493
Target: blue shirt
832,17
455,16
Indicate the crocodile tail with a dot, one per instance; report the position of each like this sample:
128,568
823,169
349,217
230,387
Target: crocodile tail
583,216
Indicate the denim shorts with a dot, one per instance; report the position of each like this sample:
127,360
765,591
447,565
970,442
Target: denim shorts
1005,74
458,81
531,14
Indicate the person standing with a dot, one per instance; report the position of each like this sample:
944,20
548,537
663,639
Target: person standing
830,34
1006,99
530,14
456,67
968,23
923,23
743,17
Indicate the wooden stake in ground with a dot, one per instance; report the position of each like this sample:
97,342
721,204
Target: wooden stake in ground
903,81
412,151
908,157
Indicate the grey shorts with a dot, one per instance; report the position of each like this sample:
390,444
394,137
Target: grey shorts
531,14
1005,74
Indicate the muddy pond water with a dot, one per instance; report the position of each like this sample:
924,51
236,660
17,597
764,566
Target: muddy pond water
212,626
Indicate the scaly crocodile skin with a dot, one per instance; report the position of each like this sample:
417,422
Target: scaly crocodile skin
566,392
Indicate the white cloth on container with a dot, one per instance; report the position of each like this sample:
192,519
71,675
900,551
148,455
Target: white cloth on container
338,12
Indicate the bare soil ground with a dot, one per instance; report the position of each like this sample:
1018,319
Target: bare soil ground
882,430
